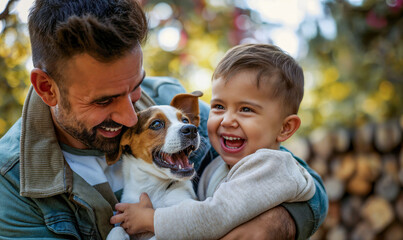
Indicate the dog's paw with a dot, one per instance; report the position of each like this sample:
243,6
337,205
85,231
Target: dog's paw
118,233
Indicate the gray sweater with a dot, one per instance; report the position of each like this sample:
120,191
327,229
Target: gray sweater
233,196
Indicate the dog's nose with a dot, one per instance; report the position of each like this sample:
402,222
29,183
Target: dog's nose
189,131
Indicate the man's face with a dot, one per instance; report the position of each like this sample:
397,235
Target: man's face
98,101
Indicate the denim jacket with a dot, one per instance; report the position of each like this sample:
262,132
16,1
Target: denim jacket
41,197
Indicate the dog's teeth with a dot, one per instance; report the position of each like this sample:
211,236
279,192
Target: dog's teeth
193,165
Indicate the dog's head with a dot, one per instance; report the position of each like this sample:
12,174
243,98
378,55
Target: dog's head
164,137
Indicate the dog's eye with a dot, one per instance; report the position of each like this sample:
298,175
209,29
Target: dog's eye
156,125
185,120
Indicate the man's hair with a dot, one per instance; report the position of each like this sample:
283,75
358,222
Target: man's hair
280,70
104,29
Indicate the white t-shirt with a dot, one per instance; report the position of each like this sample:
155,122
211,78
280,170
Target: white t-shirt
91,166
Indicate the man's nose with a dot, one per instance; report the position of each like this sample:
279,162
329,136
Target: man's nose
125,113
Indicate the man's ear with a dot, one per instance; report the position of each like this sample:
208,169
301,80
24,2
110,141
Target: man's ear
290,126
45,86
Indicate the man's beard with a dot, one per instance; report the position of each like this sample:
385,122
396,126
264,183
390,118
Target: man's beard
77,129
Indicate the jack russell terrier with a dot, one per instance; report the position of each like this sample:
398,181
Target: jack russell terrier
155,154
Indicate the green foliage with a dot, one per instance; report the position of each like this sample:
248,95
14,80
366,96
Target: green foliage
359,72
206,32
14,78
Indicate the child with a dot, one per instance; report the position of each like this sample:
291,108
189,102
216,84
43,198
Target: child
256,92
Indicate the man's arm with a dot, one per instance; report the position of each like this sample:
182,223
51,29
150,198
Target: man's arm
276,223
308,216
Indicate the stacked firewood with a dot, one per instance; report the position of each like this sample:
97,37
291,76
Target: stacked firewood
362,170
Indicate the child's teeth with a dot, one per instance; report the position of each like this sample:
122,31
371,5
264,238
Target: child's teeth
231,138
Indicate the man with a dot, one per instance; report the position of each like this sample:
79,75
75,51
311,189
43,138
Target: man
88,75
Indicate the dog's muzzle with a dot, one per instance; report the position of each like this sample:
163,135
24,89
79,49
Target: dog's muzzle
178,162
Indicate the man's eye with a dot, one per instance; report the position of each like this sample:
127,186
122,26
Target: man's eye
156,125
104,102
185,120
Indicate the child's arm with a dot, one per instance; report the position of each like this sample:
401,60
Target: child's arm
257,183
135,217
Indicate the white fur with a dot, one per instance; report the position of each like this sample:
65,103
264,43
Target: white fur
142,177
163,187
172,140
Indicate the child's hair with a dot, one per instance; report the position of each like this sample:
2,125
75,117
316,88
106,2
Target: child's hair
272,65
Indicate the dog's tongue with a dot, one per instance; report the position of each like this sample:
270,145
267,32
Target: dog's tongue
178,159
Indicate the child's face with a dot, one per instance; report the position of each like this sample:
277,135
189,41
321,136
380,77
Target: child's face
243,118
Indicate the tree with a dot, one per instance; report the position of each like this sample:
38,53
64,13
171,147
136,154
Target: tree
14,78
360,70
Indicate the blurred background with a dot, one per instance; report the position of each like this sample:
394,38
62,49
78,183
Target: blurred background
352,55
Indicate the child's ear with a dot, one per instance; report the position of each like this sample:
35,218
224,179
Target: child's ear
44,86
290,126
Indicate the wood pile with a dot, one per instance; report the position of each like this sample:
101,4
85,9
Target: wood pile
362,170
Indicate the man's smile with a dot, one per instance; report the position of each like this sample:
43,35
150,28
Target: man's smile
110,132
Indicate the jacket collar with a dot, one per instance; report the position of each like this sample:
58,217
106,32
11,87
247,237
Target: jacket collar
43,170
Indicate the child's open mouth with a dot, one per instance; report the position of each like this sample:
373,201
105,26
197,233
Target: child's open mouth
232,144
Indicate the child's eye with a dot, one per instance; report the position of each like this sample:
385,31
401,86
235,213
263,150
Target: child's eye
218,106
246,109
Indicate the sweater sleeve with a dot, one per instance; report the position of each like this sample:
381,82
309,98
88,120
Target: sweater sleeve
255,184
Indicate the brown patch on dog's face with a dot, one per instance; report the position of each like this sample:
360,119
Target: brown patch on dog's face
149,136
182,117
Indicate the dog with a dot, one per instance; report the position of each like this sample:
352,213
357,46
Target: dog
155,154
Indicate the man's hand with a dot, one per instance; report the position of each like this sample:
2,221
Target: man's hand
135,217
275,223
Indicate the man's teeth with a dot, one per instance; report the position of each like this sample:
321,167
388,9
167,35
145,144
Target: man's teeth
231,138
112,129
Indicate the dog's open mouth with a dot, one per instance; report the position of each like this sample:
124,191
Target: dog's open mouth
177,162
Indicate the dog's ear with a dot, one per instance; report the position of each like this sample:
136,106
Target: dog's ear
112,158
189,104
